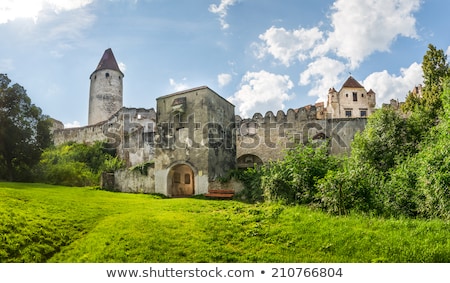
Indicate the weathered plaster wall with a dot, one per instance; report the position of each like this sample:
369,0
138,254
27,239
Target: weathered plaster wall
268,136
130,131
105,97
195,127
133,181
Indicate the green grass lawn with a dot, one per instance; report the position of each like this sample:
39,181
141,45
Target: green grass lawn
42,223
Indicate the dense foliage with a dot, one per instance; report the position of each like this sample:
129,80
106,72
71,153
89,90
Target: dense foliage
399,165
24,132
74,164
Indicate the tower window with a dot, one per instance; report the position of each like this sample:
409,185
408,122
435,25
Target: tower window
355,96
107,75
348,113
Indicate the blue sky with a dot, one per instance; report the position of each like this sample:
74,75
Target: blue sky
261,55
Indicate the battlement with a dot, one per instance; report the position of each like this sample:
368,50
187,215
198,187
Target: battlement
306,113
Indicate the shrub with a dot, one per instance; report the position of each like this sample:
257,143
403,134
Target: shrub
353,187
293,179
73,164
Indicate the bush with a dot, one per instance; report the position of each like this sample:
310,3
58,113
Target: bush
353,187
293,179
400,195
251,179
75,164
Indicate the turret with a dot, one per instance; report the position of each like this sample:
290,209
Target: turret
372,98
105,94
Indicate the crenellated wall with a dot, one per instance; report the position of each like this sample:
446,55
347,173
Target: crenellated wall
265,138
195,139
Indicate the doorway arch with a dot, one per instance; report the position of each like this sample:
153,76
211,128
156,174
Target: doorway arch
180,181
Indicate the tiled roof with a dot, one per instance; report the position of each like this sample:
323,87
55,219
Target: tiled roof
108,61
352,83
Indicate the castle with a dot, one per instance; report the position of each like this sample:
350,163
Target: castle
193,138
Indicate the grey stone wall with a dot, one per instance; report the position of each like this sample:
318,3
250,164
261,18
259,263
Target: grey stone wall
267,137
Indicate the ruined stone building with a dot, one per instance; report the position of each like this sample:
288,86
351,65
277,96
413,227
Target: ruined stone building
193,138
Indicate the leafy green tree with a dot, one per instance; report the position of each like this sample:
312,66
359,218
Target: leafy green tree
384,140
435,69
24,132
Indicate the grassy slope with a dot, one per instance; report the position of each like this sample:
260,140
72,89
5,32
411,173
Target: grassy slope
41,223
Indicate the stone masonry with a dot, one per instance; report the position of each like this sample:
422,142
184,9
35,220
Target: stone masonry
193,138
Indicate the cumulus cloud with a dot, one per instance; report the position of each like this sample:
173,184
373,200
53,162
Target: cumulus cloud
223,79
323,73
361,28
260,92
222,11
178,86
74,124
122,67
286,45
358,28
13,9
389,86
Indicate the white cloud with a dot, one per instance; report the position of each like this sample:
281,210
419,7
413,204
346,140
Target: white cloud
287,46
74,124
325,73
222,11
223,79
358,29
13,9
448,52
122,67
177,86
361,28
260,92
388,86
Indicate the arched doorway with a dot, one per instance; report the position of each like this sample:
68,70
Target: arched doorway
181,181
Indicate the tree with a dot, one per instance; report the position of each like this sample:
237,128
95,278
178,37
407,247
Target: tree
435,69
24,132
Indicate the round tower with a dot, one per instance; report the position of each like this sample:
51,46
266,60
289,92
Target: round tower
105,94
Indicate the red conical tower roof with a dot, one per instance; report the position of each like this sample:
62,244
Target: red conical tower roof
108,61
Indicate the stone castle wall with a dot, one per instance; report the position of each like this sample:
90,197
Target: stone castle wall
264,138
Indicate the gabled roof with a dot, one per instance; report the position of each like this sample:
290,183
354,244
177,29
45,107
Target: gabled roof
108,62
351,83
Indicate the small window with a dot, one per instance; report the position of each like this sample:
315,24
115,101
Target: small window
362,94
355,96
363,113
348,113
187,179
107,75
346,95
